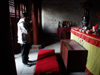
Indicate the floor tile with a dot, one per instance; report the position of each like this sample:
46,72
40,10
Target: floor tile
28,70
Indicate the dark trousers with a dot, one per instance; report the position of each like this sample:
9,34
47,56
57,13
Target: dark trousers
25,51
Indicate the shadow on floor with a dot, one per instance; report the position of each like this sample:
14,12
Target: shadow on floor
62,68
61,65
48,39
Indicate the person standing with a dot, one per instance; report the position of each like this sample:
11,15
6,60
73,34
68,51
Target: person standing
24,38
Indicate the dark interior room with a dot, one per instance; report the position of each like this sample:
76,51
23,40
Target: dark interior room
65,37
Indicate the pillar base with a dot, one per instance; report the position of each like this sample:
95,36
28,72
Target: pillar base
36,47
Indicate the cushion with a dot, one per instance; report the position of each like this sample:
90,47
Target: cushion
47,65
45,53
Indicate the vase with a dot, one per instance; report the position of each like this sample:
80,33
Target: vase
85,18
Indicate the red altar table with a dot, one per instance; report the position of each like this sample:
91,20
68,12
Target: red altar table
92,44
62,29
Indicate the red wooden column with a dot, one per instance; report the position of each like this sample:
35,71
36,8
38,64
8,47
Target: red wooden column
35,30
35,22
6,57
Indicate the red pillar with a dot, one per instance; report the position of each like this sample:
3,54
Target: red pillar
35,30
35,23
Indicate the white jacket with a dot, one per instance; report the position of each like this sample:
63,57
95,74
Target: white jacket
21,30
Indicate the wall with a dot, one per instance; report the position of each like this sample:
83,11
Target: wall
64,10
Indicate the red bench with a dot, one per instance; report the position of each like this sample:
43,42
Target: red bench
46,63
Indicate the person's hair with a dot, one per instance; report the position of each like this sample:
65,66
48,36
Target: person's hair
24,15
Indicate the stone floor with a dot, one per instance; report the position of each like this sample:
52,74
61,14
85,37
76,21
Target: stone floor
23,70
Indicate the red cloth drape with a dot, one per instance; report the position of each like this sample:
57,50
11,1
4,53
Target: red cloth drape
60,29
92,39
88,72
